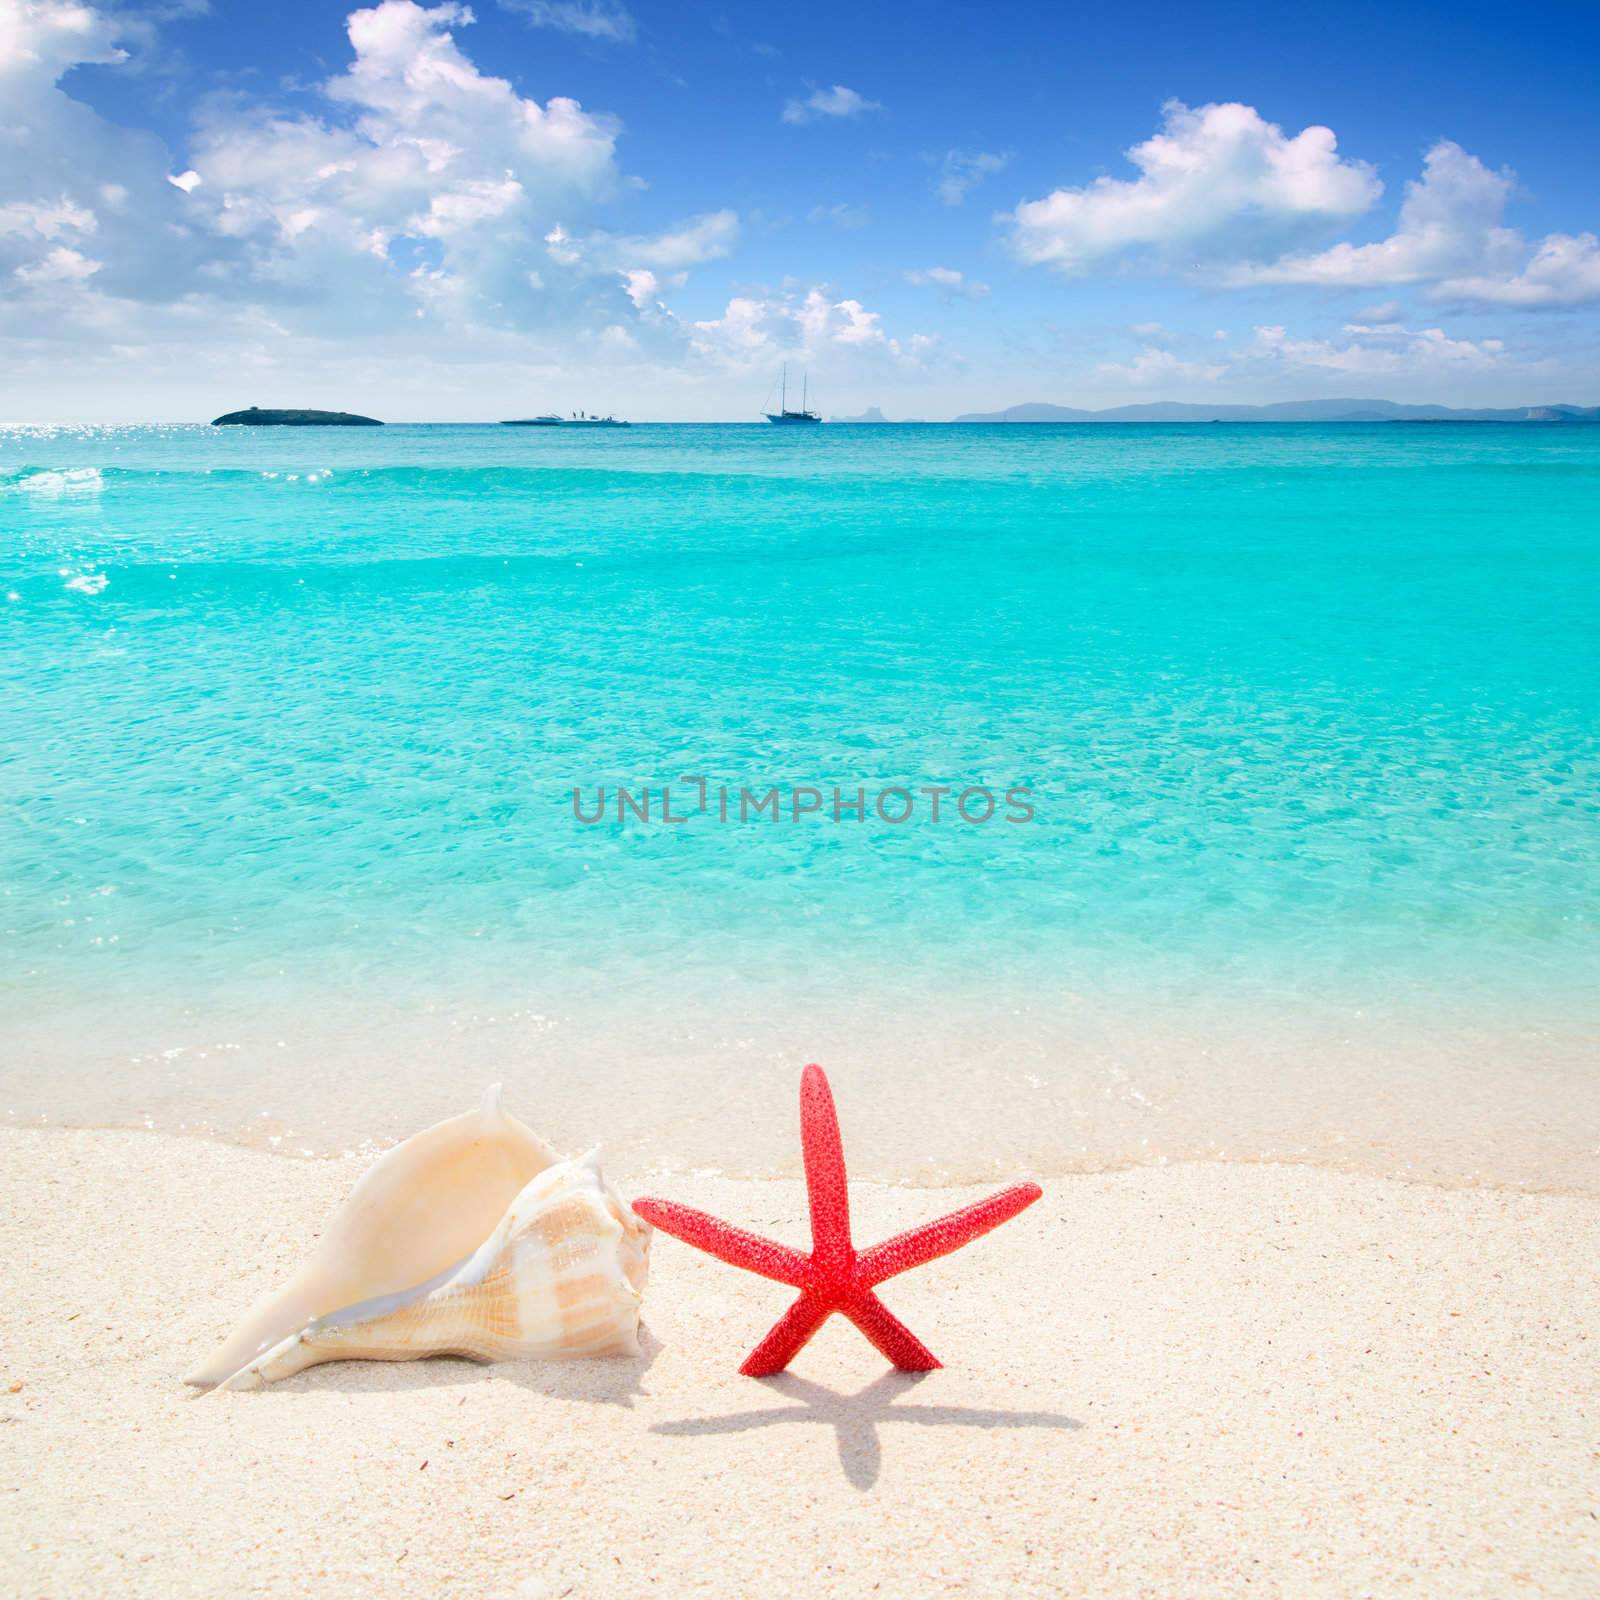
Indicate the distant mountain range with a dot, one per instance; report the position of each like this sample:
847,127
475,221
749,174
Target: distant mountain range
1282,411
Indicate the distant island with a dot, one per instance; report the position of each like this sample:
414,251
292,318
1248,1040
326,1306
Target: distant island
875,414
255,417
1283,411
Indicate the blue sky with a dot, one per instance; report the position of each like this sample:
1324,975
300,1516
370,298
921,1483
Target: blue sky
437,212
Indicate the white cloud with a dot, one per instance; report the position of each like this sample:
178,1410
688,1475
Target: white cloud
748,327
1564,271
641,286
1450,221
1154,365
45,219
835,102
562,247
47,39
1214,182
1404,357
429,154
1451,237
1389,348
706,238
840,216
595,19
951,281
755,329
687,244
414,221
66,173
61,265
1218,184
964,170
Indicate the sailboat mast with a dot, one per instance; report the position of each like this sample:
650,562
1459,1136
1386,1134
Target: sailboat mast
805,388
783,404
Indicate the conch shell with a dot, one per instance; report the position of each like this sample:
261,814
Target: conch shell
468,1239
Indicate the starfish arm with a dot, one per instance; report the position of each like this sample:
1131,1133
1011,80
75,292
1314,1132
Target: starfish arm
935,1239
788,1337
733,1245
891,1336
827,1187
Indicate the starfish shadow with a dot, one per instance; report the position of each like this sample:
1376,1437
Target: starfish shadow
855,1418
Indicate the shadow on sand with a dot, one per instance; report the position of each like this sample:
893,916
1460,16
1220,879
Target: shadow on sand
607,1381
855,1418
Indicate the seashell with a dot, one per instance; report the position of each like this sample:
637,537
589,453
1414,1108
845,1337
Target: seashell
419,1212
561,1275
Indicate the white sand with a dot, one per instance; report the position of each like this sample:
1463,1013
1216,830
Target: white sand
1189,1381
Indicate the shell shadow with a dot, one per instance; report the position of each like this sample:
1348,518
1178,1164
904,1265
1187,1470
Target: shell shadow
855,1418
601,1380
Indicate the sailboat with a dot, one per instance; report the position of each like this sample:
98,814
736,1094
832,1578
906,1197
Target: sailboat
783,414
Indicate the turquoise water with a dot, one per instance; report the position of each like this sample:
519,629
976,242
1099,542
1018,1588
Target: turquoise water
1307,716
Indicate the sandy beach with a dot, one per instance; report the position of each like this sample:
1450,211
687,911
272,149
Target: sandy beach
1197,1379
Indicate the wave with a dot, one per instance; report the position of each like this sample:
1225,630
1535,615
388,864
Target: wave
401,473
54,480
845,474
487,479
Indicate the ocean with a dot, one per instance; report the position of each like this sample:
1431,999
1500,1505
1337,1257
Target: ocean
1289,736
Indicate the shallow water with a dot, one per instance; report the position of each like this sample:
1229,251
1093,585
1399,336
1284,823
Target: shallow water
1307,716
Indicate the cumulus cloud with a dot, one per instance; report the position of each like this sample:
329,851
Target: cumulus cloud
1155,365
686,244
1450,222
952,282
756,329
409,236
68,176
1387,348
420,185
1220,186
1451,238
1214,180
1359,350
835,102
706,238
641,285
426,178
1564,271
411,217
595,19
45,219
60,265
964,170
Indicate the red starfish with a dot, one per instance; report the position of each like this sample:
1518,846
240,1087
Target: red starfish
833,1277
